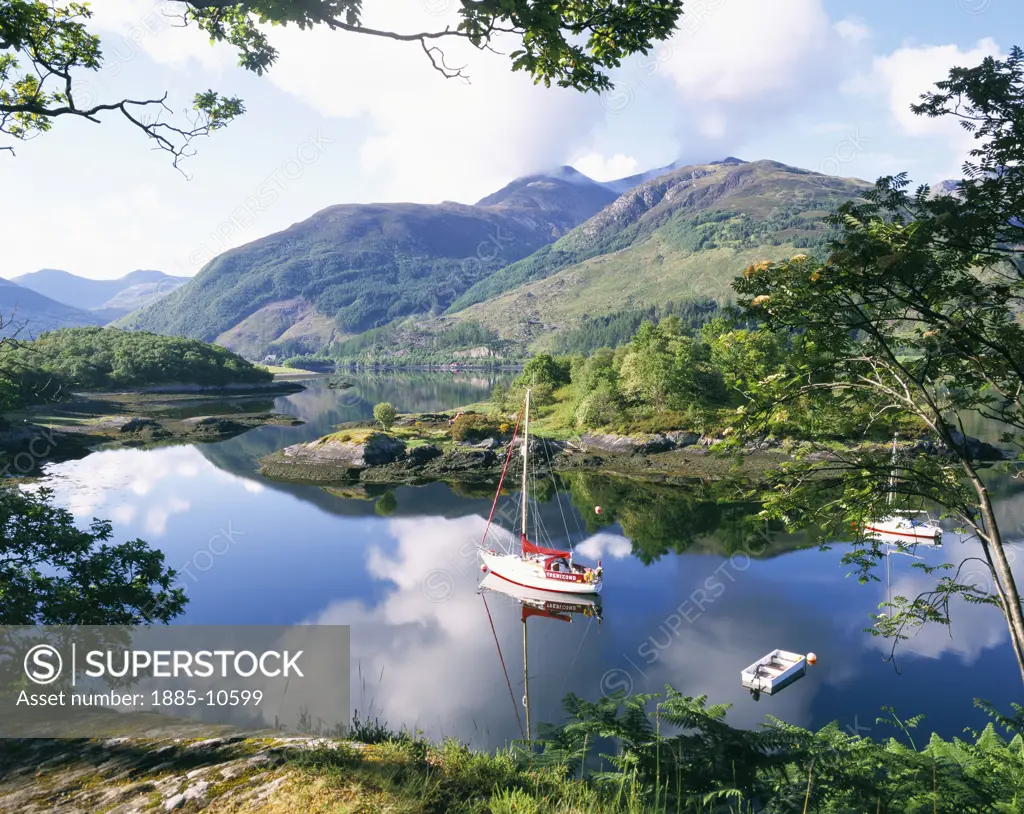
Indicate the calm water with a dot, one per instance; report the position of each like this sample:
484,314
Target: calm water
678,609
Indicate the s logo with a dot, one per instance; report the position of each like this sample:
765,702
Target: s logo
43,664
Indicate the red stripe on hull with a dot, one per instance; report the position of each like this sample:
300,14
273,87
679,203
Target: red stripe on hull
524,585
902,533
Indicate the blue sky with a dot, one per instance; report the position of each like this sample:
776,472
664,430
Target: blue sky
821,84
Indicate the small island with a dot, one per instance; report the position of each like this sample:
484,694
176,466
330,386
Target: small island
667,406
76,389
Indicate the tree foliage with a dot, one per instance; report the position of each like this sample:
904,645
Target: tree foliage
45,47
53,573
683,756
617,328
913,316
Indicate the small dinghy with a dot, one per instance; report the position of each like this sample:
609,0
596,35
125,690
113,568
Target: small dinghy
778,669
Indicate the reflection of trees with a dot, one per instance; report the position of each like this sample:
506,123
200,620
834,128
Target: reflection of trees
662,518
386,504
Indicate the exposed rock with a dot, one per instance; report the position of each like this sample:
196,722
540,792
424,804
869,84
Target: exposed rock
487,443
761,444
616,444
682,438
654,443
418,456
145,428
374,450
979,450
638,444
463,460
213,425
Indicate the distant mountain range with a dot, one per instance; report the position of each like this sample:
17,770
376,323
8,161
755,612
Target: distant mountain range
109,299
49,299
26,314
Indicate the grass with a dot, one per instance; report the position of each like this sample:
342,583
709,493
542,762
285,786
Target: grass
399,774
407,775
647,274
280,370
354,436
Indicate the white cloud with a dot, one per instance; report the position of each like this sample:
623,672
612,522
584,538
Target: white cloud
747,67
853,31
748,50
596,166
155,28
973,629
910,71
604,544
729,69
825,128
430,137
157,516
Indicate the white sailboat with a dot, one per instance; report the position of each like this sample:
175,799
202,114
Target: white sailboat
906,526
534,566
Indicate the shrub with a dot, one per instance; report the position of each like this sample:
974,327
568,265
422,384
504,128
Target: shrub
473,428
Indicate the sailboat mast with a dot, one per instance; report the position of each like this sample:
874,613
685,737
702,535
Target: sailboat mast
526,684
526,451
893,473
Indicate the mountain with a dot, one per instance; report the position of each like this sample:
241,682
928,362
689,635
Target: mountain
625,184
27,314
354,267
680,236
111,299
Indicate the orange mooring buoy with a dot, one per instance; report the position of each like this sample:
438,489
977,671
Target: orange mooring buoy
811,658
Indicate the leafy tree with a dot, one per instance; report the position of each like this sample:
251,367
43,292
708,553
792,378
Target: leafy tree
544,369
915,315
500,398
663,368
45,47
52,573
385,414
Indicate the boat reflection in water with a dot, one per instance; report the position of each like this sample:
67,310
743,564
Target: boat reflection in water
545,604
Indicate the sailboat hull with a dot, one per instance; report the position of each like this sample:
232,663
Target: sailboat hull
530,572
554,602
904,529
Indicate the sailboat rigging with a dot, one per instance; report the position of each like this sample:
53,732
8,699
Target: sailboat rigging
902,525
533,565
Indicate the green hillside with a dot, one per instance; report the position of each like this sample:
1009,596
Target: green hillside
681,237
351,268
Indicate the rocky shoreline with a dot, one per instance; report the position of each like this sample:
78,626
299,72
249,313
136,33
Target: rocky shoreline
71,430
370,457
359,454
